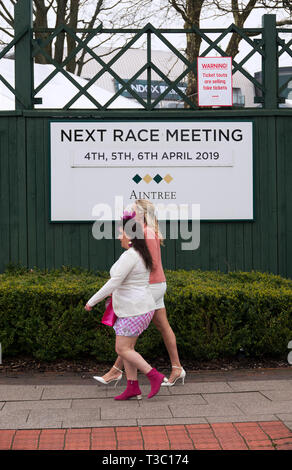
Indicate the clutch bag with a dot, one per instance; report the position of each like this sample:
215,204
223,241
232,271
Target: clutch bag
109,316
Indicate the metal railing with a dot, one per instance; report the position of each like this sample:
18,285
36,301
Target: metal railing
267,41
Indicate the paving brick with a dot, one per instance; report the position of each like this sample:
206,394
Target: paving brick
205,410
257,444
129,438
6,438
92,403
259,447
110,422
284,416
35,405
278,395
52,439
65,418
255,385
288,424
26,440
228,436
53,392
13,420
185,400
270,407
203,437
130,409
169,421
240,418
276,430
103,439
155,438
240,398
20,392
200,387
283,444
251,432
179,438
77,439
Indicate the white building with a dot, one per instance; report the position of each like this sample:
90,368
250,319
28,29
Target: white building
135,59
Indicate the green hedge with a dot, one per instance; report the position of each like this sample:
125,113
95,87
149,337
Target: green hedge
212,314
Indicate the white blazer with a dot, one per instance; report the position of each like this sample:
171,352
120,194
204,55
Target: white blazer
129,286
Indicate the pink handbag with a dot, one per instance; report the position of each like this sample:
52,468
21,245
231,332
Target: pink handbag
109,316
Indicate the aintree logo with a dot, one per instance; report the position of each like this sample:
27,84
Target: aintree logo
156,178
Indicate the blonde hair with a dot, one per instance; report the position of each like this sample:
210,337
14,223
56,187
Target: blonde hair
150,219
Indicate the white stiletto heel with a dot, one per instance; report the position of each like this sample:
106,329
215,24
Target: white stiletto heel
104,382
182,376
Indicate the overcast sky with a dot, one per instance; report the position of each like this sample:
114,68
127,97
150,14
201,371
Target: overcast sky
211,21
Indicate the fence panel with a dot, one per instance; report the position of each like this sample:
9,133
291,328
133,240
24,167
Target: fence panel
29,238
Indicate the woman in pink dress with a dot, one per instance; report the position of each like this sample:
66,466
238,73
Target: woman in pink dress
145,212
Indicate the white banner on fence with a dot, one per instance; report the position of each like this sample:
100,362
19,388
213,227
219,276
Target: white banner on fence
215,81
209,164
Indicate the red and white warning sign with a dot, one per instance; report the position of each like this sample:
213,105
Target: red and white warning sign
215,81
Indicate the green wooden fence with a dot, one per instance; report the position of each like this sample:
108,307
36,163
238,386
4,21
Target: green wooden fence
26,235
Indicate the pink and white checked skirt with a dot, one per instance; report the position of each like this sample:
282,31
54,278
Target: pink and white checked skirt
133,326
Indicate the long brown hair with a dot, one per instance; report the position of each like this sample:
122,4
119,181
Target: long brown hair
135,233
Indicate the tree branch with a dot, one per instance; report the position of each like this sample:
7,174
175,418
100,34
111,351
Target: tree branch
179,8
9,19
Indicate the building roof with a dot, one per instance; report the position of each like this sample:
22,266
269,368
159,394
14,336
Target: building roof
135,59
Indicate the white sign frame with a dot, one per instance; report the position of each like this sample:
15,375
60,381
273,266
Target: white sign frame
75,190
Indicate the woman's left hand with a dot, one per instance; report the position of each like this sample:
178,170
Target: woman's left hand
88,308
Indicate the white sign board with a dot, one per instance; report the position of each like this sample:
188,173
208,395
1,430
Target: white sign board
214,81
184,162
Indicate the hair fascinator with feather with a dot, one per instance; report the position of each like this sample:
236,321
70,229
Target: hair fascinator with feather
127,215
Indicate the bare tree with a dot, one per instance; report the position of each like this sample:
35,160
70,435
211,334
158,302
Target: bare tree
83,14
41,21
192,11
54,13
87,14
7,20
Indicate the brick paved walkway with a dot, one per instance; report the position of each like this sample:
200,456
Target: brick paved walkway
267,435
213,411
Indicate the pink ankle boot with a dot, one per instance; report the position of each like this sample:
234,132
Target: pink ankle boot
156,380
132,390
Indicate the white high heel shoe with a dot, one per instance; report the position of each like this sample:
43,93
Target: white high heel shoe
104,382
182,376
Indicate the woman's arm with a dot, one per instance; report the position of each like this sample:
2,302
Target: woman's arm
121,269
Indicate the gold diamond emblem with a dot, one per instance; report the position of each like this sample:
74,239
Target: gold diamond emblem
168,178
147,178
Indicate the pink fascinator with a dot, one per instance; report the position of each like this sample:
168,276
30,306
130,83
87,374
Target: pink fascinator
128,215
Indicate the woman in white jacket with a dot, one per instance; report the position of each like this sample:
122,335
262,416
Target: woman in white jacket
133,304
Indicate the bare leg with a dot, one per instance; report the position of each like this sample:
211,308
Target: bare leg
113,373
161,322
133,360
130,369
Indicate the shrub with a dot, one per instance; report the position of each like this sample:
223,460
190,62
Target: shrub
212,314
